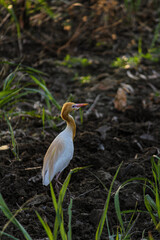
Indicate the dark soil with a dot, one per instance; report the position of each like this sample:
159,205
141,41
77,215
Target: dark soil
107,136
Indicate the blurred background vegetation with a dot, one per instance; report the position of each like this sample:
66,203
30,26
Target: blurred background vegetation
81,36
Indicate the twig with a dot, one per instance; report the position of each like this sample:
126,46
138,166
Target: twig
39,41
74,36
4,20
88,112
82,194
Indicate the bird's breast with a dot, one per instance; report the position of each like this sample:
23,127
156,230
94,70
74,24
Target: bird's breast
66,138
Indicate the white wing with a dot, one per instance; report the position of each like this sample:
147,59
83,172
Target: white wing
57,157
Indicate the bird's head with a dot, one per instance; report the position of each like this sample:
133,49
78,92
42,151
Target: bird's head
69,107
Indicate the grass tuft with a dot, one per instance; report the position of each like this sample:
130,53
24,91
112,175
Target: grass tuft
104,215
14,143
11,217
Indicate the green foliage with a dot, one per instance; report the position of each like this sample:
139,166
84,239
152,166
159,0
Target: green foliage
81,115
9,7
156,35
126,227
127,62
69,234
46,227
30,8
11,217
77,62
59,220
14,143
133,62
123,231
42,5
152,199
132,5
85,79
72,62
43,118
82,79
104,215
150,237
15,89
48,96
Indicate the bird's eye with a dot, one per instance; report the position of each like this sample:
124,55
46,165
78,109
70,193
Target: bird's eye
75,107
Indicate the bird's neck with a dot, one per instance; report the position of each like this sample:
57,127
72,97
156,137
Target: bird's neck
70,123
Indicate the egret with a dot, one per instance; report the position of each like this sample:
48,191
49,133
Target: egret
60,152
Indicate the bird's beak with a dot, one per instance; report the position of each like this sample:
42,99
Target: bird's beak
78,105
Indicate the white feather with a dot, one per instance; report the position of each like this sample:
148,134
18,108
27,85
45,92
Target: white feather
63,157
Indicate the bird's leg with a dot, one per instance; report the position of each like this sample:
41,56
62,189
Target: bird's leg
58,182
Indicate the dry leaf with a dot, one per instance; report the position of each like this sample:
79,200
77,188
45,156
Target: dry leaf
67,27
114,36
127,88
85,18
130,75
120,101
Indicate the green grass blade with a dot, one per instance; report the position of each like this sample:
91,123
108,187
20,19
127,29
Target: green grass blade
109,233
102,220
8,80
148,206
11,217
150,236
133,211
69,234
8,97
59,223
31,70
53,197
81,115
131,224
43,118
5,93
8,235
57,219
61,198
66,182
16,21
151,202
60,202
42,93
45,89
158,202
156,35
12,101
117,235
117,203
118,211
155,172
46,227
156,167
46,8
14,143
